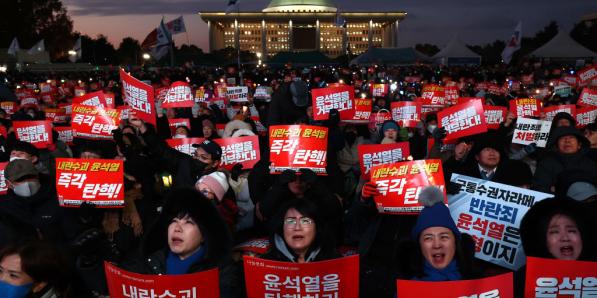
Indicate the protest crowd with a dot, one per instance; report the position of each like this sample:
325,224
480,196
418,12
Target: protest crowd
361,181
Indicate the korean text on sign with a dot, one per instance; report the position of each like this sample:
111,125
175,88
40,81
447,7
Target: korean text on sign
464,119
97,181
298,146
490,287
491,213
340,98
560,278
523,107
326,279
94,122
378,154
38,133
124,284
399,184
240,150
531,131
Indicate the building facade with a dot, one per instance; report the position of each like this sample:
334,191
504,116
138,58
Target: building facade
302,25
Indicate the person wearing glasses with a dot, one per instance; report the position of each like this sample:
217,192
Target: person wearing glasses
300,235
215,187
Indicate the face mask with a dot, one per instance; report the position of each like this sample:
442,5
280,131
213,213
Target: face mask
13,158
431,128
27,189
179,136
10,291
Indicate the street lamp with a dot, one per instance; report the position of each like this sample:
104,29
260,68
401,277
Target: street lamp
146,56
72,53
259,57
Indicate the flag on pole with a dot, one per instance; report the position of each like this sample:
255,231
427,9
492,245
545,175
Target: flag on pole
14,47
164,38
176,26
78,52
513,44
37,48
340,21
232,5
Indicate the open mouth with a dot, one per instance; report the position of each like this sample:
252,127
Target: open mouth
298,237
176,240
567,250
438,258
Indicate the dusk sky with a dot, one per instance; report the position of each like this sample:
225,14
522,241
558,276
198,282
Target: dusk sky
431,21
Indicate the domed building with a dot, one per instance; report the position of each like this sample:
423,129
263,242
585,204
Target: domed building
302,25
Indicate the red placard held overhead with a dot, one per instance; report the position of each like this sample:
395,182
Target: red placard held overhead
467,99
428,106
587,74
179,95
452,94
585,116
38,133
435,93
494,116
399,184
138,96
501,286
55,115
298,146
551,111
184,145
588,97
340,98
525,107
378,154
9,107
560,278
176,122
96,181
65,134
406,113
95,99
124,284
362,111
3,183
379,90
464,119
333,278
243,150
94,122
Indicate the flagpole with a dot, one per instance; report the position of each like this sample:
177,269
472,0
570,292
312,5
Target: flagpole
240,71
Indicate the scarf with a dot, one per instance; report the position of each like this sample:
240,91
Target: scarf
448,273
174,265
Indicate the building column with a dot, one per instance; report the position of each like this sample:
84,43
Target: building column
395,34
290,36
370,35
317,36
236,35
211,36
263,40
344,39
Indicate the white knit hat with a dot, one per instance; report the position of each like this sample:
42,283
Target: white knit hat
216,182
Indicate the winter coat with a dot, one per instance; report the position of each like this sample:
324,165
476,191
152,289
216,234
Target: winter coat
282,109
279,251
554,163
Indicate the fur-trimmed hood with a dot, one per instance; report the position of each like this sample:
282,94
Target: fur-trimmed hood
234,126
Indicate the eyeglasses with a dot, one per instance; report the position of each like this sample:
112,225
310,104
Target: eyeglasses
206,192
303,221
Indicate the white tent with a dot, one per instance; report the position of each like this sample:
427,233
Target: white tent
563,46
456,52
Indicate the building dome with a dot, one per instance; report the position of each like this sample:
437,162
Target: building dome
301,6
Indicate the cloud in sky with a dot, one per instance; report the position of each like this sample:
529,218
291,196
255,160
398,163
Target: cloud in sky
431,21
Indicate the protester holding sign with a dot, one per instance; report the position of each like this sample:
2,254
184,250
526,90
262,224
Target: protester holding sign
189,236
444,253
300,235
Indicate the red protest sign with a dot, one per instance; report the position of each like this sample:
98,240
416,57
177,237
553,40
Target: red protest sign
179,95
452,94
38,133
525,107
588,97
378,154
94,122
333,278
496,286
379,90
362,111
176,122
571,80
65,134
464,119
257,246
399,184
110,100
412,79
298,146
243,150
587,74
139,96
494,116
160,94
96,181
528,79
586,116
378,118
55,115
340,98
184,145
495,89
10,107
3,184
550,112
406,113
467,99
428,106
435,93
559,278
95,99
30,102
125,284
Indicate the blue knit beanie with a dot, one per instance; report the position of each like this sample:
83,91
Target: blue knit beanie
434,214
389,124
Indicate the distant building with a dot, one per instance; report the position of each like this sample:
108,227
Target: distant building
303,25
